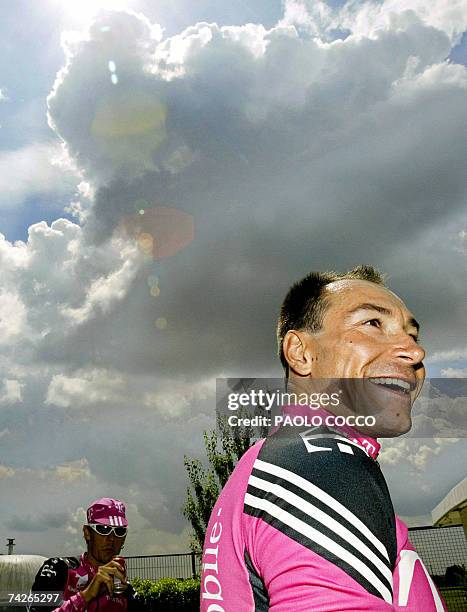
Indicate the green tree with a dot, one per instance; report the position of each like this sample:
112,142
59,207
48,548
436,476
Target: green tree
223,450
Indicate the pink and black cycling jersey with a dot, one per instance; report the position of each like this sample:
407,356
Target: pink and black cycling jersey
306,522
70,576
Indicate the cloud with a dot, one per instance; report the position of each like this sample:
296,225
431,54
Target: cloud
72,471
416,453
36,169
76,521
6,472
120,123
420,472
3,95
448,355
454,373
340,150
32,522
167,405
12,317
11,392
67,472
55,283
417,521
367,19
102,294
84,388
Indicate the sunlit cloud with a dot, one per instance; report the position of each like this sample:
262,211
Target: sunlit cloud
81,12
36,169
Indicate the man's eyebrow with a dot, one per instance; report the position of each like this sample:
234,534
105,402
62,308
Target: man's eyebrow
383,310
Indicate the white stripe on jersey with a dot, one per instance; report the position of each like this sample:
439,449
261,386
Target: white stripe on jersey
334,436
345,448
297,502
315,491
406,568
322,540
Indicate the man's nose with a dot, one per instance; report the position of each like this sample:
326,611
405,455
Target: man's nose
408,349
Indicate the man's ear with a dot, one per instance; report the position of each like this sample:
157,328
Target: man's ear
297,348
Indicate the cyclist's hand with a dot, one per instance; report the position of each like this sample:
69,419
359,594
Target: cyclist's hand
103,580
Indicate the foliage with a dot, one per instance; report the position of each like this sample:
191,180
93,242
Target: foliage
455,598
456,575
223,450
168,594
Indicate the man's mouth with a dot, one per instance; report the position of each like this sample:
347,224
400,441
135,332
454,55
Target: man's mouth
398,385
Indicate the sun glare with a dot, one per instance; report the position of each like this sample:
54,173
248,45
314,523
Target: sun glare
85,10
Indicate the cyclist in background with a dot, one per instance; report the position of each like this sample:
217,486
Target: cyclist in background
89,583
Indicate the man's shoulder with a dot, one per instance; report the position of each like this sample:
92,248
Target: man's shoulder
321,456
305,484
308,450
67,562
236,485
326,468
55,569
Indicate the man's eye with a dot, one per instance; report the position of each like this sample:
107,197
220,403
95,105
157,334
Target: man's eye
373,322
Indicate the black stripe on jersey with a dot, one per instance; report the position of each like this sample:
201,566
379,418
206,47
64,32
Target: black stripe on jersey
331,511
383,572
300,538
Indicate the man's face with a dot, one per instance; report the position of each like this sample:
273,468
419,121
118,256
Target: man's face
368,333
101,548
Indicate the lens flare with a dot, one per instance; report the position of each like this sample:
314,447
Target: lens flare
130,113
161,231
152,281
146,244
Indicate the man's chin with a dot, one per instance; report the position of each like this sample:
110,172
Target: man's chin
393,428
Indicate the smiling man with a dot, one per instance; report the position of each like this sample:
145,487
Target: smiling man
357,331
90,583
306,522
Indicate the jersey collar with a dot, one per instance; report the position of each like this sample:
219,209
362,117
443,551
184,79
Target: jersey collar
368,444
84,561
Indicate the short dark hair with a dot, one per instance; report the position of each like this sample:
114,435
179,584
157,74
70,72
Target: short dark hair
305,303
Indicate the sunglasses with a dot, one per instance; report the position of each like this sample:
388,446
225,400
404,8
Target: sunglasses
106,530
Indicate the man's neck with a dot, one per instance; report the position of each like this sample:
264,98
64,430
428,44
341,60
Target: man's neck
92,560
